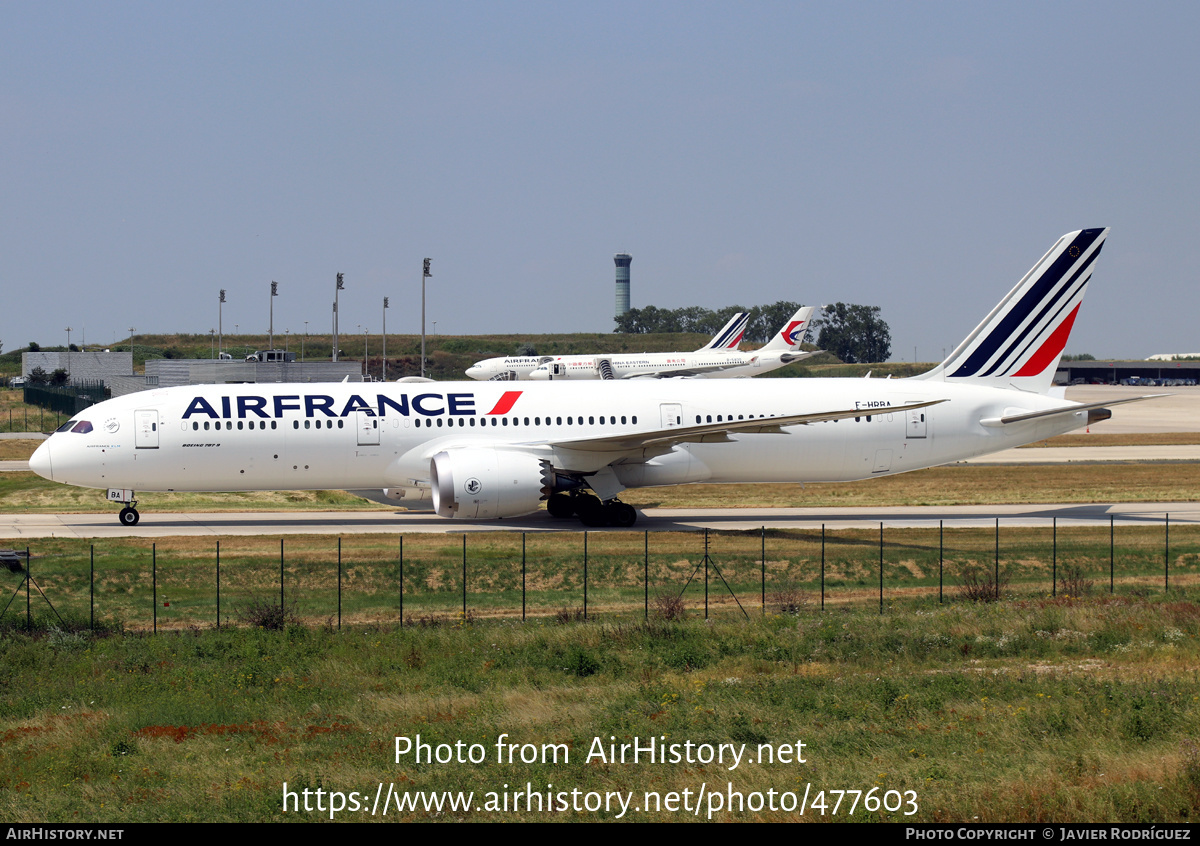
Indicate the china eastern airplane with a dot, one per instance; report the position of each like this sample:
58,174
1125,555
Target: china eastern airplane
782,349
490,450
519,368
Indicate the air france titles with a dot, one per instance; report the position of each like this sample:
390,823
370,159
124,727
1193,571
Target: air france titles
311,405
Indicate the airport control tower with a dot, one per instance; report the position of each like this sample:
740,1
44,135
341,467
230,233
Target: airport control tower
623,260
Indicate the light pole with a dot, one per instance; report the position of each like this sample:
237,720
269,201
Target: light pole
68,352
271,330
287,339
132,346
425,274
366,370
212,349
385,308
304,343
340,285
220,334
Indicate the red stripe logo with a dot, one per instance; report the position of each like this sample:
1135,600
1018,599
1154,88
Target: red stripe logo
507,401
1050,351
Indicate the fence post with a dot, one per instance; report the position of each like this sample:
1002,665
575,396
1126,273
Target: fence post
218,584
1054,562
1166,552
522,577
585,563
464,580
281,575
92,590
646,569
764,571
339,583
997,573
1111,557
881,567
706,573
28,579
822,566
941,561
402,581
154,580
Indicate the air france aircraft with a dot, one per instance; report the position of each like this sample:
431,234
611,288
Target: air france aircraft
782,349
492,450
518,368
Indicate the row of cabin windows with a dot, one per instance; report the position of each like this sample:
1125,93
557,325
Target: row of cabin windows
708,418
536,421
462,421
250,424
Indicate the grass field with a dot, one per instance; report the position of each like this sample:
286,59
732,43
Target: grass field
1030,710
1076,707
172,583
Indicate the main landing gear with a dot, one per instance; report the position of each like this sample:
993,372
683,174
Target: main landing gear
591,511
129,515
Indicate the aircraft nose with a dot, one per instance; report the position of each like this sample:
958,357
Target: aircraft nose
541,374
39,462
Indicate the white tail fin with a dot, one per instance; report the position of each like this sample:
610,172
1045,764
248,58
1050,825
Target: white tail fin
1019,344
730,335
792,334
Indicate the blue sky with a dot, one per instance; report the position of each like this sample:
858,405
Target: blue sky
919,157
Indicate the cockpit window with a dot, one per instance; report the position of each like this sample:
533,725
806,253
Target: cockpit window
66,427
82,427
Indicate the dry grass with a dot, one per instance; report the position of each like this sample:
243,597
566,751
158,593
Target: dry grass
1118,439
952,485
17,450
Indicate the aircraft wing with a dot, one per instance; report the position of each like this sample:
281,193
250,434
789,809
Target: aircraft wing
662,440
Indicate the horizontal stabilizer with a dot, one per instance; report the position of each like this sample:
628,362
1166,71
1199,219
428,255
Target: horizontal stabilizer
995,422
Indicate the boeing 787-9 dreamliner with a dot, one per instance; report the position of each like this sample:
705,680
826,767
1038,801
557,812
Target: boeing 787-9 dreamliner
490,450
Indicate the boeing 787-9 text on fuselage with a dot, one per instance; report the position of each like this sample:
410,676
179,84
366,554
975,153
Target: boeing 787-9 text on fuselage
491,450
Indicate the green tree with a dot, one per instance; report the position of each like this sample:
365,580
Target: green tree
38,376
854,333
765,321
59,377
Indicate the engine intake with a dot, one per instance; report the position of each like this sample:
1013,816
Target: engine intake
486,483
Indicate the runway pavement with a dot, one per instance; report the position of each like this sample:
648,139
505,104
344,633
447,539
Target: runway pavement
158,525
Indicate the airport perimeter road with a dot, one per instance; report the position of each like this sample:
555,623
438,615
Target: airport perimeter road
21,527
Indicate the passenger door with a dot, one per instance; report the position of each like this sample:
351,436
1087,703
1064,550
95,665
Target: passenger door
145,428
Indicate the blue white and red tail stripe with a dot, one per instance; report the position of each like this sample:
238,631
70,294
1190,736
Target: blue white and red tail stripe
1019,344
730,335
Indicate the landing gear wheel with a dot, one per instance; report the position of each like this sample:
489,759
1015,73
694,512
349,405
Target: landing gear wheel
591,512
560,505
620,514
129,516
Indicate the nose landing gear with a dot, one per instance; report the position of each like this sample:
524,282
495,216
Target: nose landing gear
129,515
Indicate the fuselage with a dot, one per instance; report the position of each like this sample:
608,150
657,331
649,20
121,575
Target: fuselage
338,436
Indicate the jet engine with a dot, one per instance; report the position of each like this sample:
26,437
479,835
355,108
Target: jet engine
484,483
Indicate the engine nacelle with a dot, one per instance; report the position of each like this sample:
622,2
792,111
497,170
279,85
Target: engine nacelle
485,483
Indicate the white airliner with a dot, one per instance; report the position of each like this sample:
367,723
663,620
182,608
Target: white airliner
488,450
782,349
520,368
